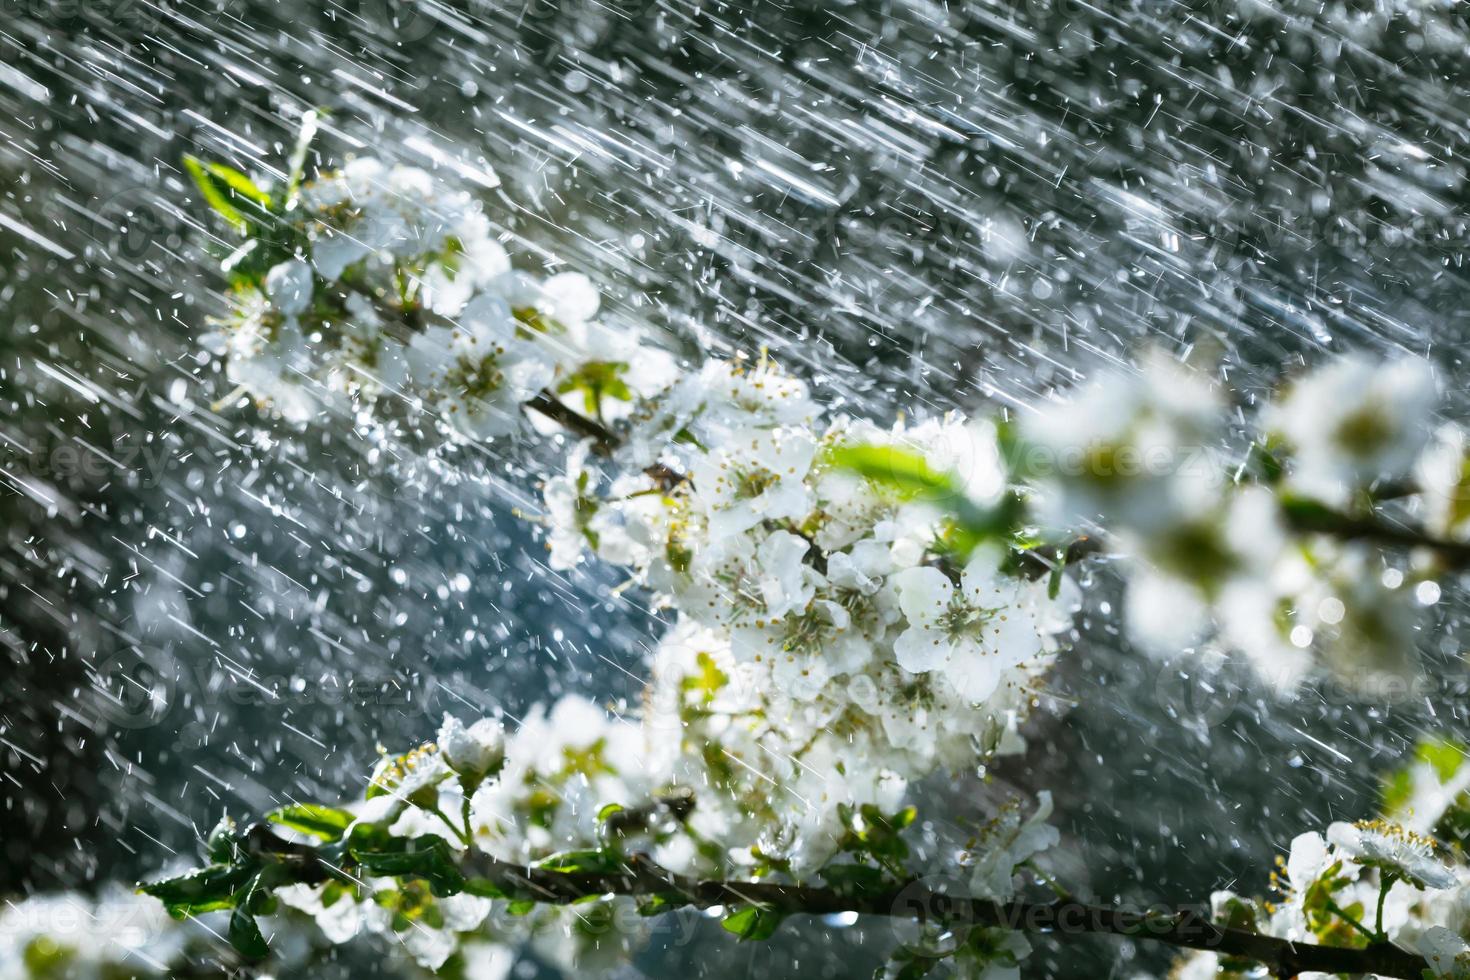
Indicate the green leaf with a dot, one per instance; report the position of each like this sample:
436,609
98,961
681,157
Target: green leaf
751,923
1443,755
427,856
610,810
223,187
326,822
220,846
333,892
1264,461
484,888
244,932
203,890
585,861
239,183
904,471
213,195
658,904
521,906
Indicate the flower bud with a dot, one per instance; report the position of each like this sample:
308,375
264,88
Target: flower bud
474,752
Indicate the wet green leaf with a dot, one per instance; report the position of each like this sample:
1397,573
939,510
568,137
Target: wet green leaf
244,932
328,823
900,469
584,862
224,188
751,923
203,890
427,856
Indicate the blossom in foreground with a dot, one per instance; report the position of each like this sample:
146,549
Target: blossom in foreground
1240,557
1129,451
1355,420
1393,850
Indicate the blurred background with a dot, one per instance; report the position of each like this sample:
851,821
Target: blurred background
918,206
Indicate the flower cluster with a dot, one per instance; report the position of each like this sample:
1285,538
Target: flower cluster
834,641
1371,881
548,788
1263,542
831,637
392,287
70,936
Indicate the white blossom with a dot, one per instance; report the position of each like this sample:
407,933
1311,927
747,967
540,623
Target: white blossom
1446,952
1009,841
478,373
1131,451
1354,420
1393,850
974,633
474,751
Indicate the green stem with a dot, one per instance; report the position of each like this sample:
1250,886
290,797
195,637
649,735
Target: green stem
1337,911
463,836
1383,889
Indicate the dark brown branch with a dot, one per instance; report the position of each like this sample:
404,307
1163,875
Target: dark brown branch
912,900
1037,563
916,901
1313,520
604,440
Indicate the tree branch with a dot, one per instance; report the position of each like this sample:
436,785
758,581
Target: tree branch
1304,517
1309,519
641,877
604,440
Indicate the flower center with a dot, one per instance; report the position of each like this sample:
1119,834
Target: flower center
482,377
965,621
751,483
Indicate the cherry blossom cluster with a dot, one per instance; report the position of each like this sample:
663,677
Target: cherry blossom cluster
68,935
830,637
550,786
1263,539
854,630
393,289
1385,880
834,639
